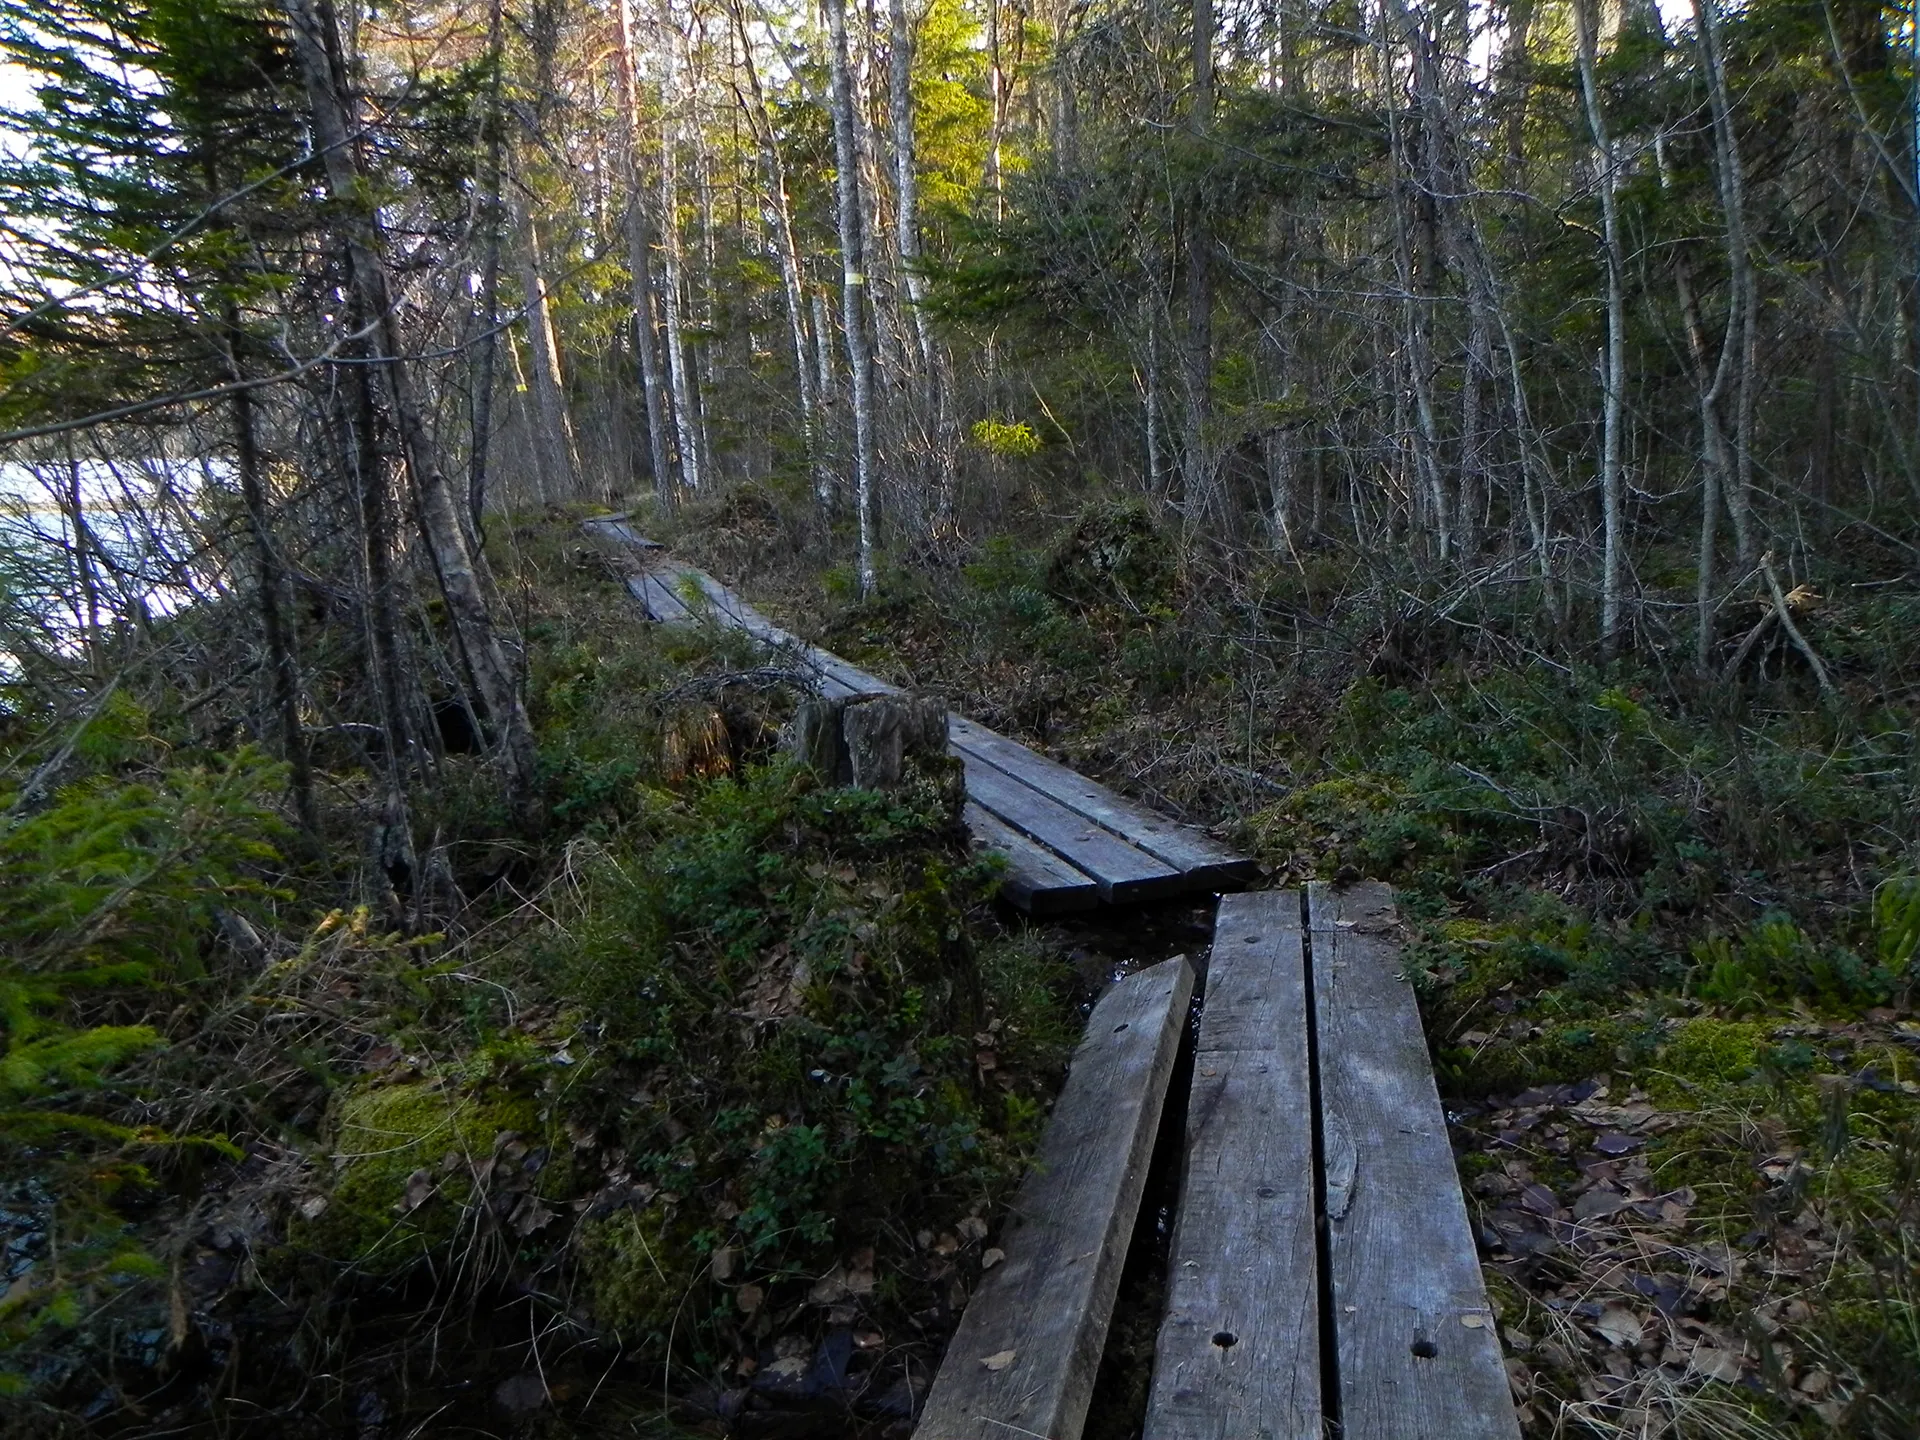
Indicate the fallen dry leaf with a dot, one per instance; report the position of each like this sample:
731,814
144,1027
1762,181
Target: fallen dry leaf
1715,1363
998,1361
1621,1326
749,1298
992,1258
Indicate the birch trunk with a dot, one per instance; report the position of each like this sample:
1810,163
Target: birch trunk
1741,340
779,213
846,148
1612,509
646,337
679,369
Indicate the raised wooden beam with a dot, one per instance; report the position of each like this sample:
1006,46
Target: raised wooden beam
1417,1352
1203,859
1239,1351
657,600
1122,872
1028,1348
617,529
1036,880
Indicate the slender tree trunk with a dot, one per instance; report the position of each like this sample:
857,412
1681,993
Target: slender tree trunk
1614,366
679,370
1742,338
906,186
779,213
492,218
1197,466
646,338
464,580
556,453
846,148
271,579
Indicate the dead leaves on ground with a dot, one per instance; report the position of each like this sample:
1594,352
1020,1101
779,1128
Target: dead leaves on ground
1635,1306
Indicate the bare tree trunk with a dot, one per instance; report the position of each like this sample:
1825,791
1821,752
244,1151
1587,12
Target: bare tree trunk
853,283
480,442
779,214
1197,467
270,577
1741,340
679,369
556,453
646,339
464,580
1612,485
906,188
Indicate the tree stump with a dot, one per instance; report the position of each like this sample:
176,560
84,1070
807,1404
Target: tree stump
870,741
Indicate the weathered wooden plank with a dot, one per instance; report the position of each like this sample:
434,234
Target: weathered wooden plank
1036,880
657,600
1122,872
1025,1356
1093,830
1204,860
1417,1352
617,529
1239,1351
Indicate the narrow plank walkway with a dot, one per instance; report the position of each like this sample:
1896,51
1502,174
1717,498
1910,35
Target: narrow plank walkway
1239,1351
1070,844
1323,1277
1024,1359
1418,1353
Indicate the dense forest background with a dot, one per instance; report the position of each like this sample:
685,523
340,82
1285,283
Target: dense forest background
1473,445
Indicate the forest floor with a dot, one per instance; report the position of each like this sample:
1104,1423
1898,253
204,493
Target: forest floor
692,1108
1667,932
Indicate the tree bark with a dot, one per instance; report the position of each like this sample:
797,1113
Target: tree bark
1614,365
853,285
646,339
679,368
1197,466
779,213
555,451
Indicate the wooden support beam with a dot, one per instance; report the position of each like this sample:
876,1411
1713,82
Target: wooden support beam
1122,872
1239,1352
1418,1354
1028,1348
1036,880
1204,860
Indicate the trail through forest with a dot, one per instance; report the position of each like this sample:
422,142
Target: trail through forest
1469,447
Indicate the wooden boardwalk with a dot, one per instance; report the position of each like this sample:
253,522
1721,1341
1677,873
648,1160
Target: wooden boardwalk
1025,1357
1323,1278
1070,844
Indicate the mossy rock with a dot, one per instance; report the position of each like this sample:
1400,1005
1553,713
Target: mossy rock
382,1218
1114,553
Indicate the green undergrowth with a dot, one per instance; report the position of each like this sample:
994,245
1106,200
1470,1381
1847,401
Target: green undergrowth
660,1066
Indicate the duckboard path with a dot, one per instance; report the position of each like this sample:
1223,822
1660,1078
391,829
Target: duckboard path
1323,1278
1070,844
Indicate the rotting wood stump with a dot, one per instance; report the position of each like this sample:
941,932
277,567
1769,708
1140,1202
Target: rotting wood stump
868,740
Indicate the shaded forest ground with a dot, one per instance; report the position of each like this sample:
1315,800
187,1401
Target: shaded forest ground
693,1106
1667,927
